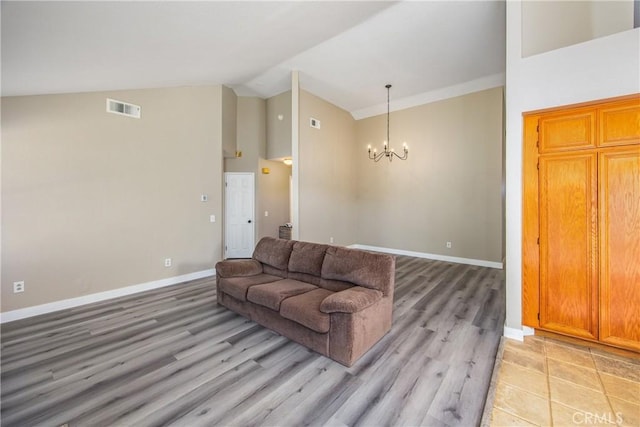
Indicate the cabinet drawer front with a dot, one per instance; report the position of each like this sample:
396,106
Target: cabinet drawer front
619,193
568,244
564,132
620,124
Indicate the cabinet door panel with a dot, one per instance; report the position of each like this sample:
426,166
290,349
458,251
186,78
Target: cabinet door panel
563,132
568,244
620,124
619,182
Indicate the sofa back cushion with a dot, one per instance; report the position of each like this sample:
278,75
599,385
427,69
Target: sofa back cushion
273,252
274,271
366,269
307,258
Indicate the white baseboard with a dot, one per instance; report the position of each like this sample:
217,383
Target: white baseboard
513,333
37,310
458,260
518,334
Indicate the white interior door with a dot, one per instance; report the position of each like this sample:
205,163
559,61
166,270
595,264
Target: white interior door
239,215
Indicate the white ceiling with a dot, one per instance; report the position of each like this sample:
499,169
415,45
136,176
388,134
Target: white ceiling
345,51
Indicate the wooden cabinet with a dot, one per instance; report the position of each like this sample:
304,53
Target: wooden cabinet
568,247
619,229
567,131
581,229
619,124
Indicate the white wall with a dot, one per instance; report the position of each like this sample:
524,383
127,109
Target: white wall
601,68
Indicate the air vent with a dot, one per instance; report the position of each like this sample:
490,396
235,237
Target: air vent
123,108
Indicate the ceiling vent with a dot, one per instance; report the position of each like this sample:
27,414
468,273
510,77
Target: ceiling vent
123,108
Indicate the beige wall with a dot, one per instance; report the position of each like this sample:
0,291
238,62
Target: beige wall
450,187
327,196
273,197
279,131
95,201
250,135
550,25
272,190
229,122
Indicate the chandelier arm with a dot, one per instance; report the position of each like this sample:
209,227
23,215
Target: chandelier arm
403,157
376,156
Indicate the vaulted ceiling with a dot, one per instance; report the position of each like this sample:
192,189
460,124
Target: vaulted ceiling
345,52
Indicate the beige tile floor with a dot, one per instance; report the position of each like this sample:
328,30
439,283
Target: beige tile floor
547,382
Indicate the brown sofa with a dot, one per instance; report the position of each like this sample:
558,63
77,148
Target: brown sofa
334,300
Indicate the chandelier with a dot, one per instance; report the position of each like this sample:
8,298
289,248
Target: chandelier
387,151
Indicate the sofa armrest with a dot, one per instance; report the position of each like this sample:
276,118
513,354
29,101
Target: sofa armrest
350,300
238,268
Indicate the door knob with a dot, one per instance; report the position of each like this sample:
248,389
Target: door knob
249,221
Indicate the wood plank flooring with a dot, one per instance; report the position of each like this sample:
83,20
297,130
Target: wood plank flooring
172,356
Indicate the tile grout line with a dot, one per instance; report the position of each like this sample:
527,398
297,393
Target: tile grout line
546,365
604,390
518,387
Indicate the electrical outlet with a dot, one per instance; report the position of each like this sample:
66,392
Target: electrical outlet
330,239
167,262
212,218
18,287
266,213
448,245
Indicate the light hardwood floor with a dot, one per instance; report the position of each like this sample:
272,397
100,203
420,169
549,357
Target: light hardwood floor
173,357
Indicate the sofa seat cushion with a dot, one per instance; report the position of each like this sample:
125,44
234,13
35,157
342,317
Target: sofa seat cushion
237,286
305,310
270,295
